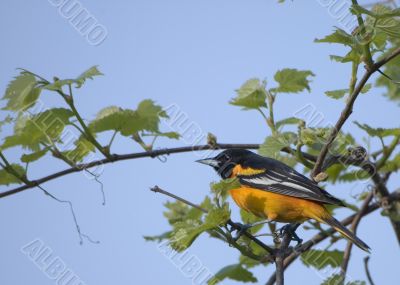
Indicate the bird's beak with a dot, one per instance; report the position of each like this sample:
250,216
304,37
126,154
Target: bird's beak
209,161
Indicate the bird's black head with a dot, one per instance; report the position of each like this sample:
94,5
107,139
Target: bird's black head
225,161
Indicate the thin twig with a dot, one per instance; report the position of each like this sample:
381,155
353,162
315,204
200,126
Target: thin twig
348,109
121,157
234,225
321,236
367,272
354,225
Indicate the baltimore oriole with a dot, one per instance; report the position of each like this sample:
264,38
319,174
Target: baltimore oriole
274,191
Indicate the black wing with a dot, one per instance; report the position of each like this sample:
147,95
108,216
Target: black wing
282,179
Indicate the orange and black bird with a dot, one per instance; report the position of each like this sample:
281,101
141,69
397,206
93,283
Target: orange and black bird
274,191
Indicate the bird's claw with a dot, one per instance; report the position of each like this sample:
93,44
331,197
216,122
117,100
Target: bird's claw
240,228
291,230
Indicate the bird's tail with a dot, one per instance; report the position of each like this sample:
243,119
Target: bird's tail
345,232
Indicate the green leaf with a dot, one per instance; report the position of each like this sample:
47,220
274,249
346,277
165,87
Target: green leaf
382,20
378,132
292,80
391,165
251,95
337,94
7,179
88,74
366,88
354,176
234,272
158,238
42,127
288,121
7,120
249,218
339,36
21,93
335,279
320,259
79,81
222,187
392,69
378,11
34,156
128,122
352,56
274,144
82,148
186,231
170,135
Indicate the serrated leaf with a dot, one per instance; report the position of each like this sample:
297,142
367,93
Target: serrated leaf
378,132
320,259
21,93
251,95
186,231
234,272
221,188
31,157
292,80
79,81
352,56
382,19
335,279
337,94
339,36
83,147
42,127
7,178
288,121
88,74
128,122
392,164
378,11
274,144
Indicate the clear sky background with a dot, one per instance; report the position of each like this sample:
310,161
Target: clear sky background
193,54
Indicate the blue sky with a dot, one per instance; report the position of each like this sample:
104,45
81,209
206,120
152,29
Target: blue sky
193,54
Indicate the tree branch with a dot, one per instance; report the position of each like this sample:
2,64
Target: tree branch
354,225
120,157
281,254
348,109
234,225
321,236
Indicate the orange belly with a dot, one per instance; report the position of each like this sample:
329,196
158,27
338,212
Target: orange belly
276,207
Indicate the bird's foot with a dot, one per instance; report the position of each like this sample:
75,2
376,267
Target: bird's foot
291,230
242,228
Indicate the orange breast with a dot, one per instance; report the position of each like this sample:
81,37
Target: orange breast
276,207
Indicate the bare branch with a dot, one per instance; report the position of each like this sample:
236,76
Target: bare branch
354,225
120,157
